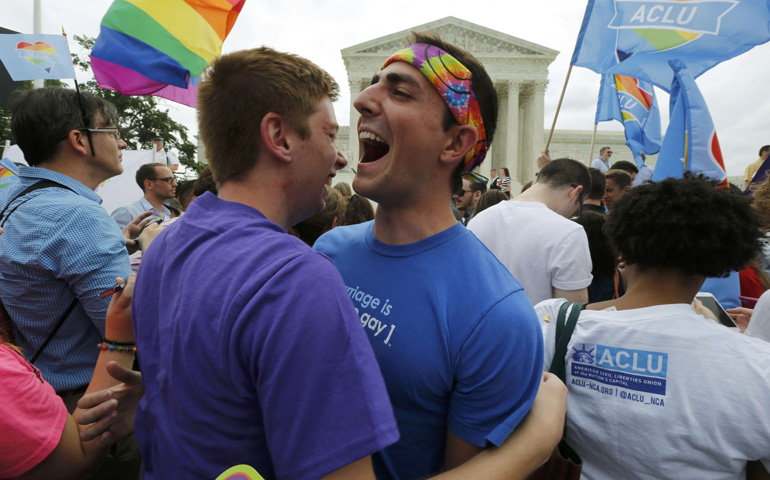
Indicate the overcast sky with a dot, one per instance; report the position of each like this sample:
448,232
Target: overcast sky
736,91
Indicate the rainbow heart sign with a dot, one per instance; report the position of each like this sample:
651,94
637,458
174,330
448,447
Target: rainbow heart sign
32,57
40,54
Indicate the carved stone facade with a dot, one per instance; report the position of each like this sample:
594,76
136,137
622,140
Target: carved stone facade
519,70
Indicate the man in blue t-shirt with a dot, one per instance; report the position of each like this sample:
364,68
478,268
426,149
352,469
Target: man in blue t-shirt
461,370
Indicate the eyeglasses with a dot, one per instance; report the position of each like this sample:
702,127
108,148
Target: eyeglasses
462,192
113,130
168,180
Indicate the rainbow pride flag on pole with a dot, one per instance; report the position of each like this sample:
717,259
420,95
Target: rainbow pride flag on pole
161,47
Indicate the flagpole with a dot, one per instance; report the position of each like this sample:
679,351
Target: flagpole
593,142
558,107
38,29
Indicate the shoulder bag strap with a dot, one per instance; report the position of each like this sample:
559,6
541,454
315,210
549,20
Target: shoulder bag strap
32,188
564,328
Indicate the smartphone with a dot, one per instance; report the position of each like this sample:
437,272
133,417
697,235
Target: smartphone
154,221
711,302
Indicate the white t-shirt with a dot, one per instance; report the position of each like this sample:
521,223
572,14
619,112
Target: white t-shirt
662,392
759,325
539,247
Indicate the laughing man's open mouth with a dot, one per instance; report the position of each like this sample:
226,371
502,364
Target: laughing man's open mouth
374,147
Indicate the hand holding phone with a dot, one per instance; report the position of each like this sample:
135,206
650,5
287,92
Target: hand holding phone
712,304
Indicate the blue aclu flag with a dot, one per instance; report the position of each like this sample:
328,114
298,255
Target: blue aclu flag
633,103
33,57
608,106
691,142
637,38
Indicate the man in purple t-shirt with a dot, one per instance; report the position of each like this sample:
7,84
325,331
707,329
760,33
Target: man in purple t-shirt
261,360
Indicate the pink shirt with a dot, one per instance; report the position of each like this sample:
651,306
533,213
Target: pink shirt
32,416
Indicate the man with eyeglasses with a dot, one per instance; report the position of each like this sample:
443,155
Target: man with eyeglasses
60,248
603,162
158,184
532,236
466,199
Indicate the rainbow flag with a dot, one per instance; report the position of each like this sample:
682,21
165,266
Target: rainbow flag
161,47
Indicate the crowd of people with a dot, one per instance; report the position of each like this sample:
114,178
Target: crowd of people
277,322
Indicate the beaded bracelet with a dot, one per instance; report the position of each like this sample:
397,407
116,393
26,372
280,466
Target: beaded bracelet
104,346
122,344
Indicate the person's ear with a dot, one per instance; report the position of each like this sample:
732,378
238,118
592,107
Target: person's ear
576,192
78,140
275,136
463,139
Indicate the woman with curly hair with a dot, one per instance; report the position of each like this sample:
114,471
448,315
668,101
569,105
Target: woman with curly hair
655,389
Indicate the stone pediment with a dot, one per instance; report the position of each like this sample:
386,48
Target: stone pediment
482,41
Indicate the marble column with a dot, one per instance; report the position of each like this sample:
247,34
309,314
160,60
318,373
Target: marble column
355,90
512,128
527,131
537,142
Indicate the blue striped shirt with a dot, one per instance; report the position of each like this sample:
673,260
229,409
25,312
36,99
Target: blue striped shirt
59,244
123,215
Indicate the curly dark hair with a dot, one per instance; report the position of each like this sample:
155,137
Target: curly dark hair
687,224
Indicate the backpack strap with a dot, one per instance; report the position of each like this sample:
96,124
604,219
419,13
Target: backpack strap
32,188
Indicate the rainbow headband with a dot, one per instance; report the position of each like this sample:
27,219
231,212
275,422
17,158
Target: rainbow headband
453,82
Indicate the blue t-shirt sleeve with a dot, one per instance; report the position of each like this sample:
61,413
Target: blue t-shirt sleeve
498,373
320,388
